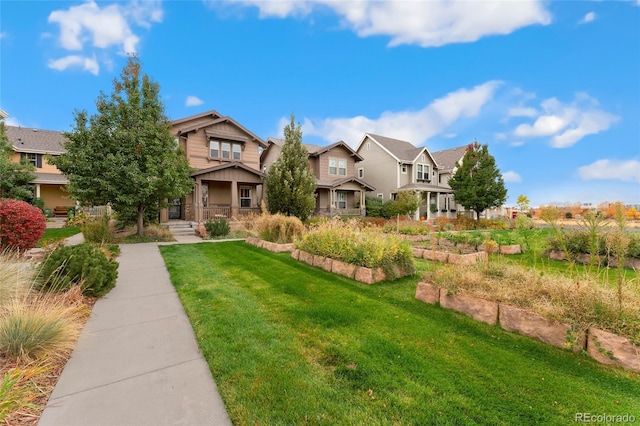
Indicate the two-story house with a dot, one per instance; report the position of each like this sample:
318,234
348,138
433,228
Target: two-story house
34,145
393,165
340,189
226,159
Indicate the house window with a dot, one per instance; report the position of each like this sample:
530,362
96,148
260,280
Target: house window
237,152
422,172
403,169
380,196
205,195
337,167
424,158
361,173
225,148
341,200
29,157
245,196
214,149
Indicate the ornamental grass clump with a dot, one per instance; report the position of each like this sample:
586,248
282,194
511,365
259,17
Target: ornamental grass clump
351,243
278,228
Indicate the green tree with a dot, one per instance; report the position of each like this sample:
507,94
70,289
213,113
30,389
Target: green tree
406,203
125,155
15,178
290,185
478,184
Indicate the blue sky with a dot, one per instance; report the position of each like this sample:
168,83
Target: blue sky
553,88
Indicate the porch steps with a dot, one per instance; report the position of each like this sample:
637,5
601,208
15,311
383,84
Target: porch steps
180,227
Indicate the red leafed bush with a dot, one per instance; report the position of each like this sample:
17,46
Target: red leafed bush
21,224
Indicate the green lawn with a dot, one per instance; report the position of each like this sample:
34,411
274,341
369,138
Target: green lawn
291,344
52,235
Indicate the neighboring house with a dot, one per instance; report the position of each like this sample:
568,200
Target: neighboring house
340,189
393,165
226,159
34,145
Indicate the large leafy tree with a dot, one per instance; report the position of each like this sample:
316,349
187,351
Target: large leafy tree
124,154
290,185
477,184
15,178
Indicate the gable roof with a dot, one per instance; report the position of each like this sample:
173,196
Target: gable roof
215,118
316,150
448,158
36,141
402,151
231,164
337,182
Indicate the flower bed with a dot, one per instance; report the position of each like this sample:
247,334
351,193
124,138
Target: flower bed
603,346
358,273
350,243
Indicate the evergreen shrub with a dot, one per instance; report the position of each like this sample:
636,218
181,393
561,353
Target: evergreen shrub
84,265
217,228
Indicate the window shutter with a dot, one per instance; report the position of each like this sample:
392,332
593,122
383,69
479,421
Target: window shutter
39,161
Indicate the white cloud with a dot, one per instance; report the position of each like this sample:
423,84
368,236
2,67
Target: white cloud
11,121
412,126
566,124
522,112
516,143
589,17
75,61
426,23
193,101
511,176
623,170
105,27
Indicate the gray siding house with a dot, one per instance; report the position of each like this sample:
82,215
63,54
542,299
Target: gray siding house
393,165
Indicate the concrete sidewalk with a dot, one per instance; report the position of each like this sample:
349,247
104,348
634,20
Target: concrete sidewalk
136,361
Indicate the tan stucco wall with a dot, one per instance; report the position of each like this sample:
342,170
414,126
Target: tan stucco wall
46,167
54,196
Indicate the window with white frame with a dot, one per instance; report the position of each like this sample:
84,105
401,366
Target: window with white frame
225,150
245,196
380,196
214,149
422,172
341,200
361,173
337,166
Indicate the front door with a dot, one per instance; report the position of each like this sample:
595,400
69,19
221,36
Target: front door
175,209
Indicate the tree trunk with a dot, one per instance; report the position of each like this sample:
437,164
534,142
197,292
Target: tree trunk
140,229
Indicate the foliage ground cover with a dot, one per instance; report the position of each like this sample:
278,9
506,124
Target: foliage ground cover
290,344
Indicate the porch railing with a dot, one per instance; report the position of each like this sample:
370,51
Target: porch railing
95,211
216,212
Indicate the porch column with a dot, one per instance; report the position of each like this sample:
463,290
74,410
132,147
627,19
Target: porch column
428,205
234,199
363,206
197,202
37,190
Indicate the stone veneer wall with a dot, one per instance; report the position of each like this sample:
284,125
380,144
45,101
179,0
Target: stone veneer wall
604,347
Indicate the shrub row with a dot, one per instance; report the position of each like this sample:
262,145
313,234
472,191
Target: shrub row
348,242
278,228
603,243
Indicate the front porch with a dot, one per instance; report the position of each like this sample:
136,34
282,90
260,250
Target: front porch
345,197
436,201
228,191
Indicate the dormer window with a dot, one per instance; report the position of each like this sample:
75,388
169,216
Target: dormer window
422,173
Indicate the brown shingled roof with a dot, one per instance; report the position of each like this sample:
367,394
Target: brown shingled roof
24,139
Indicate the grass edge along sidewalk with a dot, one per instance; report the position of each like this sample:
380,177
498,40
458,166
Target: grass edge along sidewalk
289,344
